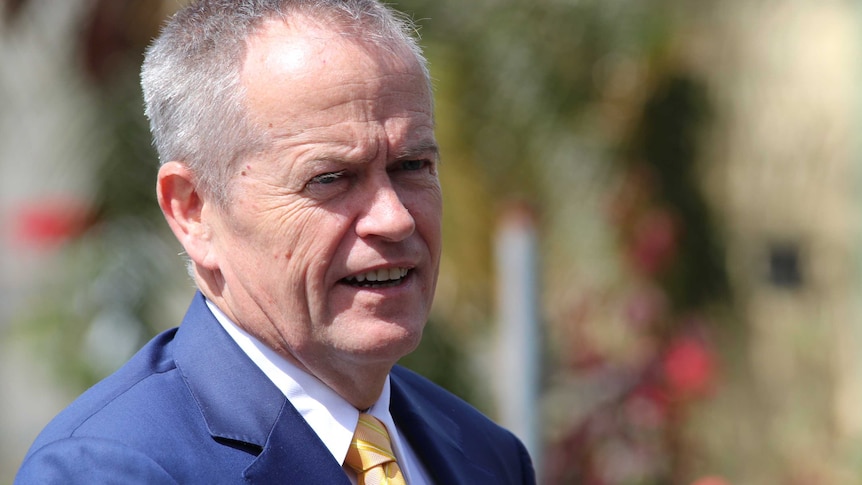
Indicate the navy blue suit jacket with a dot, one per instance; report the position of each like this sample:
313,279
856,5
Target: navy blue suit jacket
191,407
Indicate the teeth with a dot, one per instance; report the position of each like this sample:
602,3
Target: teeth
383,274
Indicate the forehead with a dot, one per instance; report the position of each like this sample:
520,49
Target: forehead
306,61
320,93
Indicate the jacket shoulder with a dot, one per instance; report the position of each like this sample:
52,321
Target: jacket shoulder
118,393
432,415
89,460
419,386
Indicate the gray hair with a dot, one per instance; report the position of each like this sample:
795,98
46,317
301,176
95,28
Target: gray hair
191,76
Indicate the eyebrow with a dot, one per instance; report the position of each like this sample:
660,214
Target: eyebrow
420,149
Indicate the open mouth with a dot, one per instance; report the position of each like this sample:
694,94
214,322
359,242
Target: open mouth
380,278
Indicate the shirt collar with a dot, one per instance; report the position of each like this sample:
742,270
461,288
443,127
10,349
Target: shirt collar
331,417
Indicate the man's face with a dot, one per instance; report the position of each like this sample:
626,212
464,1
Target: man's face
330,246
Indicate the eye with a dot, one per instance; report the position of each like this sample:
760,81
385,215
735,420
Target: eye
411,165
326,178
329,184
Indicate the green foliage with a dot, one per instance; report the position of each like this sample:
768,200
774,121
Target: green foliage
442,359
668,140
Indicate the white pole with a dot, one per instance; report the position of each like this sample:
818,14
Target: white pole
518,369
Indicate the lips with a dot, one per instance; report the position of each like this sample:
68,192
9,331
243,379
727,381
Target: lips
379,278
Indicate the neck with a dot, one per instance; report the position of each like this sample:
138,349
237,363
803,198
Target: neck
360,384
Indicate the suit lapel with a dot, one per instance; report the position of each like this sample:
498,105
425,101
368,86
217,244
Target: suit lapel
295,453
434,436
243,408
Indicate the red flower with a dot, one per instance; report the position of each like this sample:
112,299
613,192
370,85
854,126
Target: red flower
52,221
689,368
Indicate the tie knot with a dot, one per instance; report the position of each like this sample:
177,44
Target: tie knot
370,446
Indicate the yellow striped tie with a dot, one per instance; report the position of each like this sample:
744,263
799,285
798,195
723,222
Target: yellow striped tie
370,454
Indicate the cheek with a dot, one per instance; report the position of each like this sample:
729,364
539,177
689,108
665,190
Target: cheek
273,236
307,241
427,211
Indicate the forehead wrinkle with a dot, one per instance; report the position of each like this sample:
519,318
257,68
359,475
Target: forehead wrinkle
403,129
367,108
350,149
371,101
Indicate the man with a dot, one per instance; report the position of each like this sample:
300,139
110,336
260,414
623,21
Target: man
299,173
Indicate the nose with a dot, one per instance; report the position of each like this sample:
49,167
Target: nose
385,216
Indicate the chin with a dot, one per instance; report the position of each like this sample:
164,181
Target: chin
389,341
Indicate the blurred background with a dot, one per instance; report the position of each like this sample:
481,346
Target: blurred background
652,211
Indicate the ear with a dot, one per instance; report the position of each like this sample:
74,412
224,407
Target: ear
184,209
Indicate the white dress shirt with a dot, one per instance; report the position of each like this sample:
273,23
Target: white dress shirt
331,417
